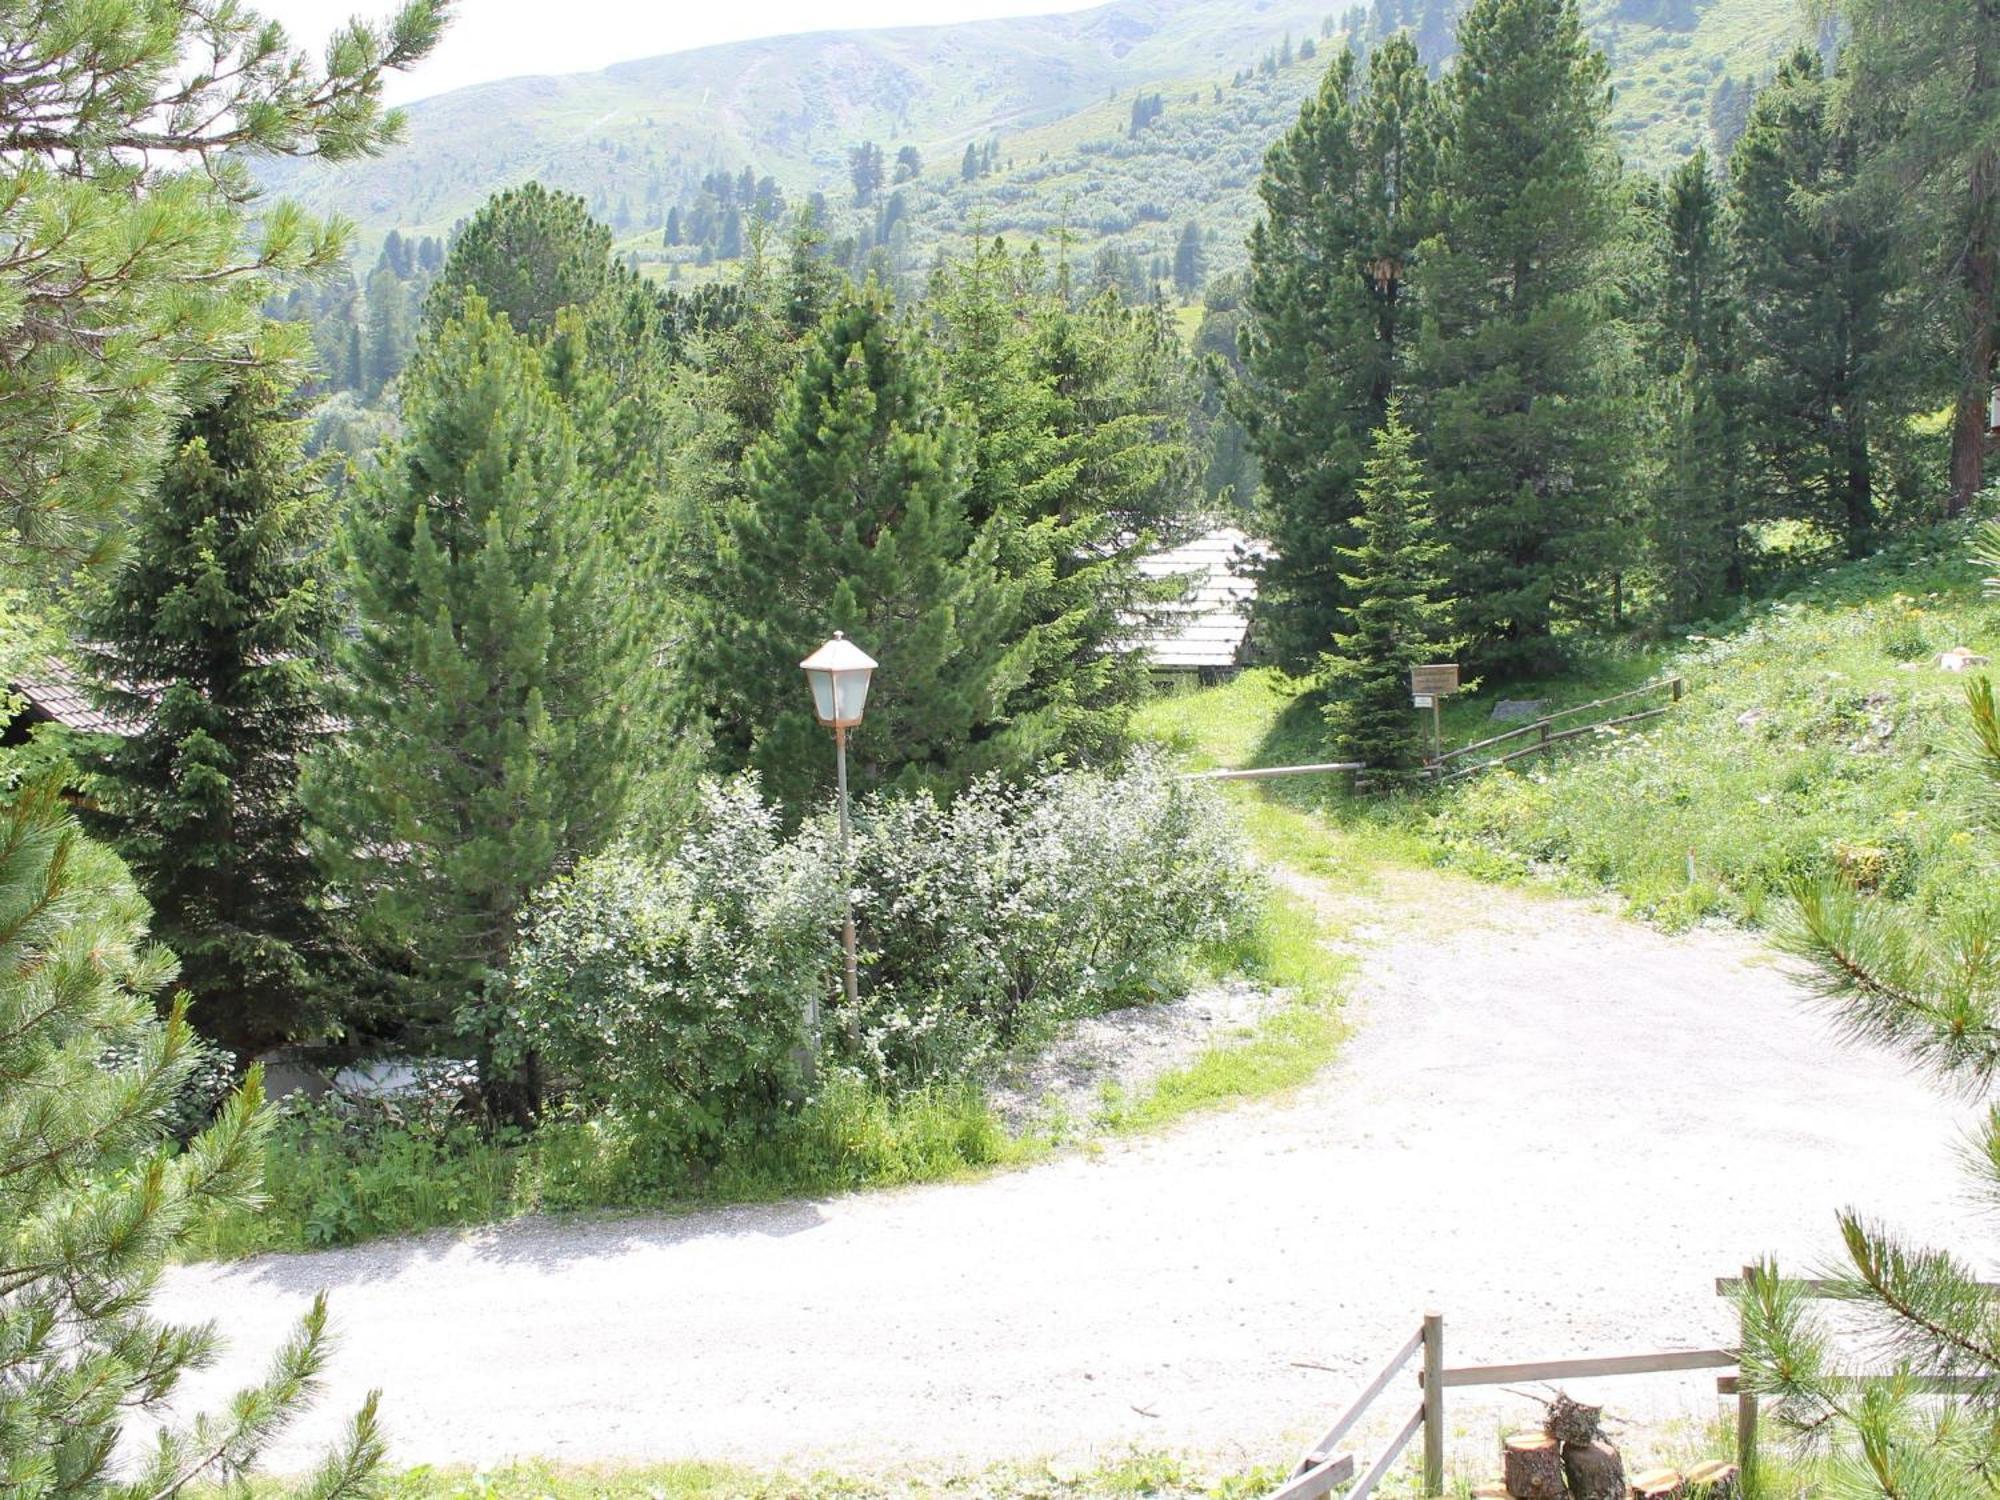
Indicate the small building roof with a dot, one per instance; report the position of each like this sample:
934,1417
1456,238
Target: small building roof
55,692
1209,626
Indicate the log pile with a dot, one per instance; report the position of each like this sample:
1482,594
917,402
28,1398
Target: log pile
1570,1458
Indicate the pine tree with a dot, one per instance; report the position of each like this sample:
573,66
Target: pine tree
1330,324
968,168
528,253
1822,352
1398,618
1902,980
1188,260
1527,436
213,642
1922,78
1697,510
389,333
854,521
96,1199
487,690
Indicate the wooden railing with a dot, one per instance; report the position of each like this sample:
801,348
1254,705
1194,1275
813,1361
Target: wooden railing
1453,764
1322,1467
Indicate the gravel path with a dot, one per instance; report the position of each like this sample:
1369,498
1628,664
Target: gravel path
1555,1126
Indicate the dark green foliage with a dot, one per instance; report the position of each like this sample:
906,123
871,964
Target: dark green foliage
96,1199
1517,386
854,520
1823,356
1697,500
1922,79
1190,262
488,688
213,640
529,253
1398,618
1079,465
1330,325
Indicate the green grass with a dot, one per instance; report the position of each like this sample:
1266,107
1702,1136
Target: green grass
1816,736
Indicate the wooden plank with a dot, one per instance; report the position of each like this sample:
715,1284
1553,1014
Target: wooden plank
1365,1486
1578,1369
1671,684
1361,1402
1552,739
1263,773
1316,1481
1433,1383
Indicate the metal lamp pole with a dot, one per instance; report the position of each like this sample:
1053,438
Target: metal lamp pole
846,872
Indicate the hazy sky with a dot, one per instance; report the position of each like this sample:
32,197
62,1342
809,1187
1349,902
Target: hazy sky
504,38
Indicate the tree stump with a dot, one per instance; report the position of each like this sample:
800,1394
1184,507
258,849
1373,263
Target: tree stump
1573,1422
1713,1480
1659,1484
1532,1464
1595,1471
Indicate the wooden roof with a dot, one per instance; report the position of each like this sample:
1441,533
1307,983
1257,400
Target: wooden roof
1209,627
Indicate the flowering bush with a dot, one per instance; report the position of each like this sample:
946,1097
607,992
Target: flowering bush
676,990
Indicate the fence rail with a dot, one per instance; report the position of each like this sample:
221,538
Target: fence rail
1453,764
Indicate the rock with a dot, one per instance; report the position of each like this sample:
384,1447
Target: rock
1519,710
1750,718
1961,659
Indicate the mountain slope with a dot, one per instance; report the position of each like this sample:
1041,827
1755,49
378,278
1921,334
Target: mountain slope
637,139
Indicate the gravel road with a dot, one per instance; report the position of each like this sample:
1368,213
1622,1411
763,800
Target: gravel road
1553,1125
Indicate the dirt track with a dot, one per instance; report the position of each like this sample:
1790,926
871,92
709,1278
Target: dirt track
1555,1126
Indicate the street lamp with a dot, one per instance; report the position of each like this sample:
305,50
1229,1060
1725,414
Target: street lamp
839,673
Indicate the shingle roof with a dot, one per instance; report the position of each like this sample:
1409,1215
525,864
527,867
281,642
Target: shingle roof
58,693
1210,625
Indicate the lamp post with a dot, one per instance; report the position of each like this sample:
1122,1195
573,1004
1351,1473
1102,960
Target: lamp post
839,673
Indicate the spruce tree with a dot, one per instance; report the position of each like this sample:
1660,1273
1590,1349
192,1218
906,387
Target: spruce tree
1520,388
1822,352
213,641
1921,78
1398,618
1330,323
854,521
1697,510
487,690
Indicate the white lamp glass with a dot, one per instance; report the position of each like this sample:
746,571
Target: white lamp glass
839,673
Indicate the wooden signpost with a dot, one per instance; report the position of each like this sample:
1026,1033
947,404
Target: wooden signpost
1427,686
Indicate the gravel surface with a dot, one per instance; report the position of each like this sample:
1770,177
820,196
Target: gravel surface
1554,1126
1124,1050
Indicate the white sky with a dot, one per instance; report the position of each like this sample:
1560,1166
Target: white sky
505,38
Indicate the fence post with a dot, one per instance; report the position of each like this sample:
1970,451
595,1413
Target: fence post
1433,1403
1677,690
1746,1399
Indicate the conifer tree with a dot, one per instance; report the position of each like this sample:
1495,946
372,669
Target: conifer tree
96,1199
855,521
1330,323
1922,78
487,690
1526,431
1697,510
213,641
1398,618
529,253
1822,353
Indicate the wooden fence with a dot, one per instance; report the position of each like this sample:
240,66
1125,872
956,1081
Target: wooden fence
1454,764
1323,1467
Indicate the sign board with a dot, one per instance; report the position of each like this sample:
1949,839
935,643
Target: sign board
1434,681
1423,700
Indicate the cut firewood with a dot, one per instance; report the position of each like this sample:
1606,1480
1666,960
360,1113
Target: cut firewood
1659,1484
1571,1421
1714,1480
1595,1471
1533,1466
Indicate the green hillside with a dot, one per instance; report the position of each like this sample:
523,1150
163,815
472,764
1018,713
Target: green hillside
1051,99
